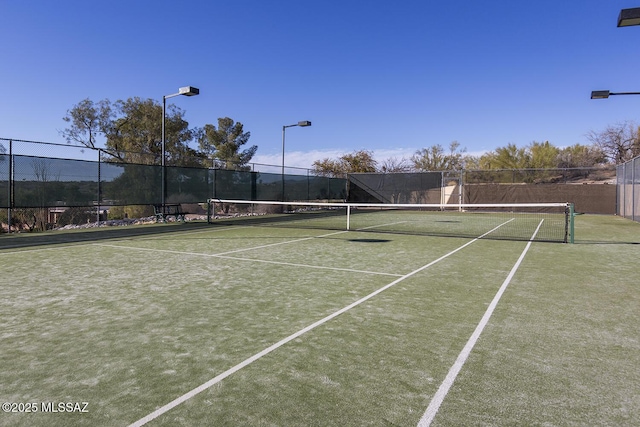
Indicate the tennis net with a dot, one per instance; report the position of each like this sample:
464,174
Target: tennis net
509,221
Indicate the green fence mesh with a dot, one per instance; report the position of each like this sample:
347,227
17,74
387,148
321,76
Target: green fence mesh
27,181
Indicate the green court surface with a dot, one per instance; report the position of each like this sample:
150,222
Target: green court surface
269,324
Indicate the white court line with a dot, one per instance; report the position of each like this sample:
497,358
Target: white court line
302,239
438,398
203,229
381,225
88,242
281,243
49,247
250,360
224,255
290,264
69,244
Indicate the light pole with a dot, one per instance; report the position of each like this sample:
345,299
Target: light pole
303,123
627,18
186,91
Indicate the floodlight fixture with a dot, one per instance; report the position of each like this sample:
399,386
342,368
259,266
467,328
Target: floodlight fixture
604,94
629,17
600,94
189,91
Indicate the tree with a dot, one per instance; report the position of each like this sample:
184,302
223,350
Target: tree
619,142
434,158
543,155
509,157
580,156
361,161
328,167
224,143
471,162
136,135
87,121
132,128
395,165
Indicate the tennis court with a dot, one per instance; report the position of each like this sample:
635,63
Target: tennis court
267,323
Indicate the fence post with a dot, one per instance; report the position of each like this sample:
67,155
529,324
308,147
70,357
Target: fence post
461,188
213,196
10,182
347,187
99,188
633,189
622,191
442,184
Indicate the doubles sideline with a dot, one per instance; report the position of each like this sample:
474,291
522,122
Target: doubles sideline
438,398
181,399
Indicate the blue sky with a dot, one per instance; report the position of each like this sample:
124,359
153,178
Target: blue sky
390,77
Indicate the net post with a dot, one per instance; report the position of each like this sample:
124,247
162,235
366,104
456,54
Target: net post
572,215
348,216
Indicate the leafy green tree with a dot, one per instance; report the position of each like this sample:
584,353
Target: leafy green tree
225,143
471,162
360,161
136,135
509,157
328,167
132,129
543,155
87,120
434,158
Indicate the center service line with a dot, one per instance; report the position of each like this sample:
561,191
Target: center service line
438,398
163,409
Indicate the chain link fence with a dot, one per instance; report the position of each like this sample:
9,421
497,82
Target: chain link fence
628,186
43,185
590,189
